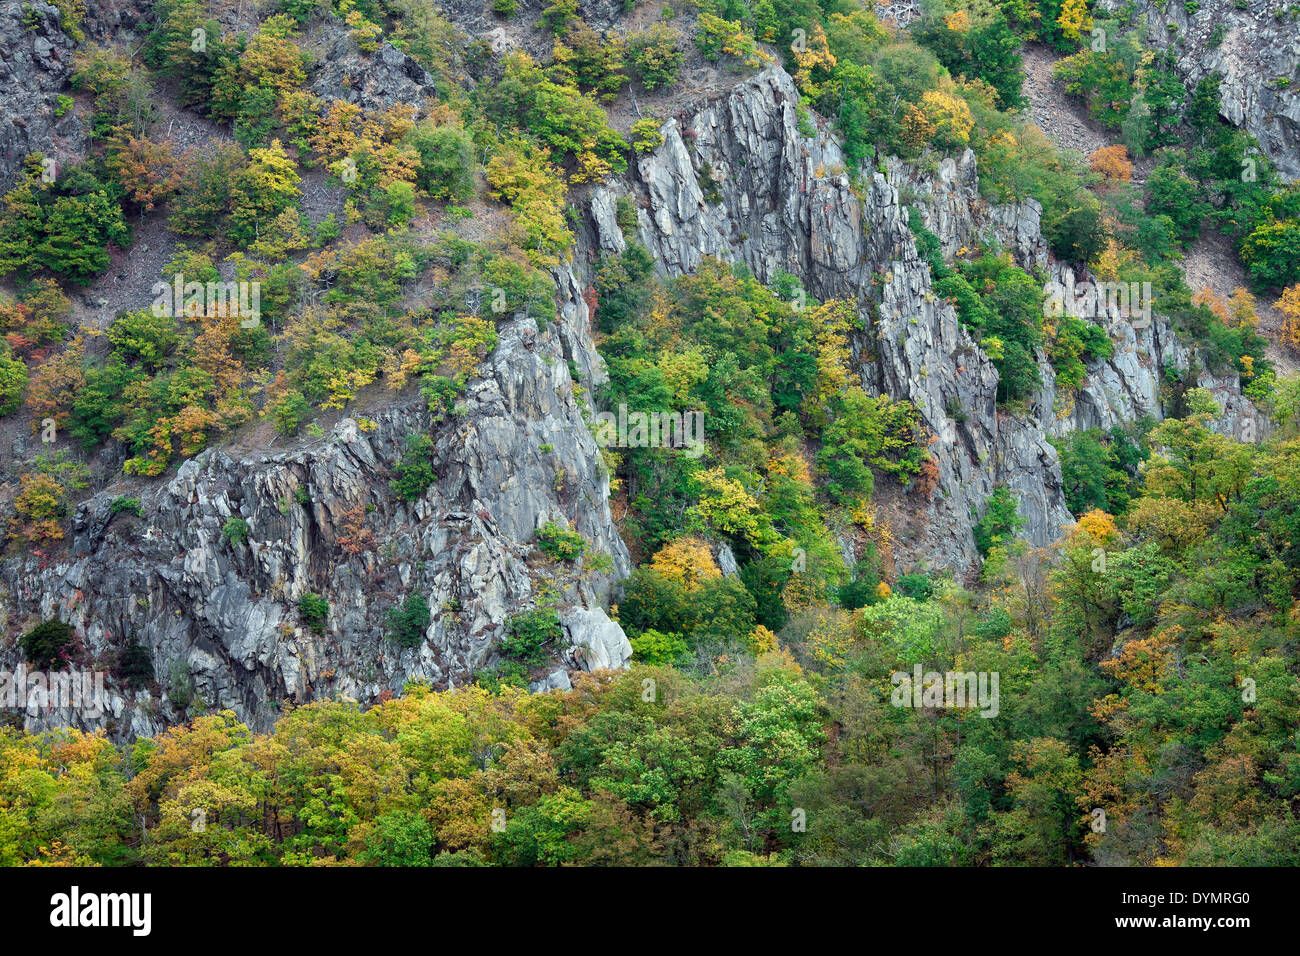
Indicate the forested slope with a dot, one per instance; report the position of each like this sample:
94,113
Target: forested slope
375,569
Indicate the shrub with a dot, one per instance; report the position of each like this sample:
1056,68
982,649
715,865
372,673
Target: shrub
1112,163
528,634
48,645
948,118
502,675
558,16
123,505
399,837
43,499
64,226
204,195
656,648
235,531
567,120
260,191
122,95
447,164
717,37
562,544
180,684
408,622
40,318
594,62
655,56
999,522
1102,80
415,469
522,176
1076,229
1271,253
13,380
864,589
1005,316
314,610
143,337
397,203
720,608
916,586
869,433
646,135
289,411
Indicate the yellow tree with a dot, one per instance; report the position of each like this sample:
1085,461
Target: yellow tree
950,117
816,65
1289,305
1241,307
830,322
1074,19
686,560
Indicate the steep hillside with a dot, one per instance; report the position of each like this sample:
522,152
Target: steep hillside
219,615
1253,47
617,411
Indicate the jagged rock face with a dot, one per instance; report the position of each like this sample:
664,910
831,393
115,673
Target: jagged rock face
35,61
1257,54
227,612
224,615
376,81
1127,386
736,178
739,180
1123,388
950,206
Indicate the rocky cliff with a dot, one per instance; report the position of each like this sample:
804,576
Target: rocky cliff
739,175
35,62
740,179
1257,52
220,618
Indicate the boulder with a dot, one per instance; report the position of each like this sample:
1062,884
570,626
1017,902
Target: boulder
597,642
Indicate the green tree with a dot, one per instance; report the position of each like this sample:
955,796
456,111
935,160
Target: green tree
408,622
447,165
260,191
414,470
13,380
999,521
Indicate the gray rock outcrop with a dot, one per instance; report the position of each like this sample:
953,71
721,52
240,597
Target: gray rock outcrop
739,178
596,642
35,62
1257,52
219,614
